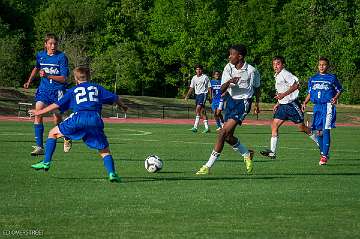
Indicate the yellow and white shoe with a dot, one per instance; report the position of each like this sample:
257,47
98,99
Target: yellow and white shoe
248,160
204,170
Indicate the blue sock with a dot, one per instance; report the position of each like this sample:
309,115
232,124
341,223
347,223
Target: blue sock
109,164
320,141
39,132
326,142
49,149
218,123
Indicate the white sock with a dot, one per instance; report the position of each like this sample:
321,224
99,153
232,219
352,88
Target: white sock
314,138
273,143
206,124
197,119
213,157
241,149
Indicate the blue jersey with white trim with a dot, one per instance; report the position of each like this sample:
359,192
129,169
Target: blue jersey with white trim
55,65
323,87
86,96
216,90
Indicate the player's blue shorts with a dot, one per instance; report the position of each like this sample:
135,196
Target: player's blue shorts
324,116
237,109
48,96
200,99
217,105
85,125
291,111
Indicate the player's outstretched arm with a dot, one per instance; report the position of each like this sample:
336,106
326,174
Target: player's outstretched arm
121,104
31,77
188,93
303,105
45,110
257,100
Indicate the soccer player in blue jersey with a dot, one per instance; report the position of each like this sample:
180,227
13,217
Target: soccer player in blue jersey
241,81
217,100
52,66
287,107
201,84
324,90
85,100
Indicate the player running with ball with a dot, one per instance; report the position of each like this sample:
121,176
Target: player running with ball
241,81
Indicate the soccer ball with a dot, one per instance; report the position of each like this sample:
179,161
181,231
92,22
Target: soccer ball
153,164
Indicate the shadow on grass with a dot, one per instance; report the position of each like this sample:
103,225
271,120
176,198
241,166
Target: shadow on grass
206,177
175,178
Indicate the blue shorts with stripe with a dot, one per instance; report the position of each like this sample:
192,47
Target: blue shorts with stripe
291,111
85,125
237,109
48,96
324,116
200,99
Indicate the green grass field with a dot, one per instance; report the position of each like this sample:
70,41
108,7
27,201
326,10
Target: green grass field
291,197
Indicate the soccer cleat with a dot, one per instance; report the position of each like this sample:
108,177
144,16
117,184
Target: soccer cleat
206,131
113,177
268,153
323,160
41,165
218,129
204,170
37,151
248,160
193,129
67,145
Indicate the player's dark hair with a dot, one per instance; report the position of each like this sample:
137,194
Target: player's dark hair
279,58
49,36
198,66
322,58
216,72
240,48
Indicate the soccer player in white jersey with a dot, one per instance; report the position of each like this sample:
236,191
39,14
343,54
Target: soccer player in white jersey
242,82
287,107
201,83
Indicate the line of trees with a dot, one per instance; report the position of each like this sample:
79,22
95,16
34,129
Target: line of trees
149,47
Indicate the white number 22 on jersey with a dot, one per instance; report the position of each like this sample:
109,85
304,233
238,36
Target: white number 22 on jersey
88,94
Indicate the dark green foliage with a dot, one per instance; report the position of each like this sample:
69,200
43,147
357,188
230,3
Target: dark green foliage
150,47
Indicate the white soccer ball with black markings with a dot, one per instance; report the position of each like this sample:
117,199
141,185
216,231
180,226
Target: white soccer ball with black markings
153,164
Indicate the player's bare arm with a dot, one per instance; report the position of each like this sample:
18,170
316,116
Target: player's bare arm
307,99
257,100
335,99
226,85
44,111
31,77
292,88
121,104
188,93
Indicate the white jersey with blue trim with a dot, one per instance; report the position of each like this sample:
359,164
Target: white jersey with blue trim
249,79
201,84
283,81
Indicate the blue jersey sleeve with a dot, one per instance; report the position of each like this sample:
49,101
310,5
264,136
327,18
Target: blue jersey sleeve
309,85
107,97
64,65
64,102
37,64
337,85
